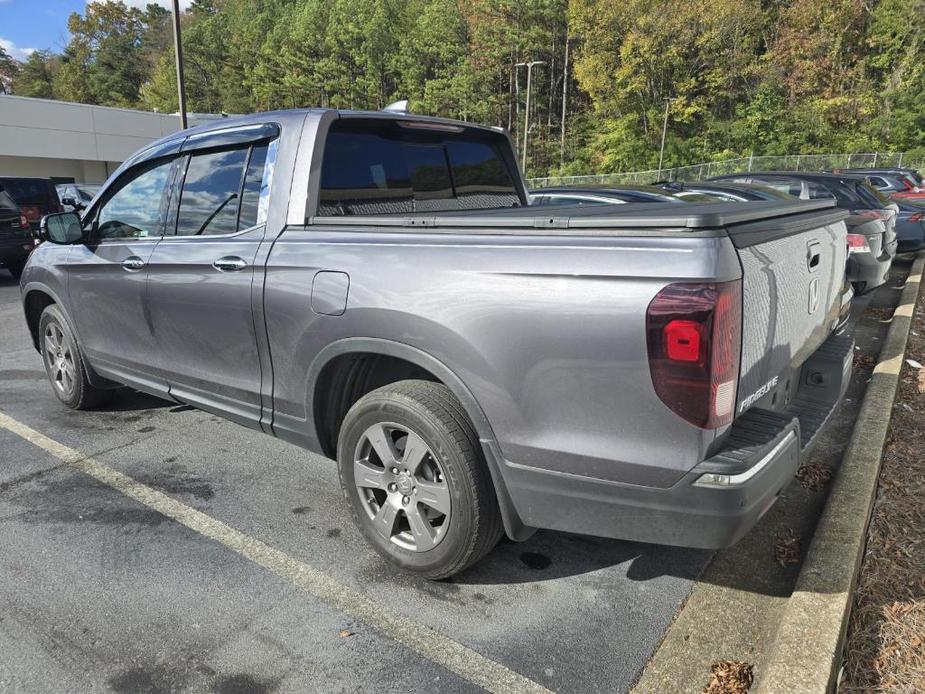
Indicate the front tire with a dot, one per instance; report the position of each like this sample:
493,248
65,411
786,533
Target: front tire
415,480
64,362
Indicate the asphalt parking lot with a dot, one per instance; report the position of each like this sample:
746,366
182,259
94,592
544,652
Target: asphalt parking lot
101,592
114,583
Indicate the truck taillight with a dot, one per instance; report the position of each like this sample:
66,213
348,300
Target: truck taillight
857,243
694,334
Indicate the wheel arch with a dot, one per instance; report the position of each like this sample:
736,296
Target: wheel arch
36,298
431,367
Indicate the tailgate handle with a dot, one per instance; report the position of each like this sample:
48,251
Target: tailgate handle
813,255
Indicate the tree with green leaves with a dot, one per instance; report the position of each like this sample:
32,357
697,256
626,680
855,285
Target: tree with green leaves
34,77
8,70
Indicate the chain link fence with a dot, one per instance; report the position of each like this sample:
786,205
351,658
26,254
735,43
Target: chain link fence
699,172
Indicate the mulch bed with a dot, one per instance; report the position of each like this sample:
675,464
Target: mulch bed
885,648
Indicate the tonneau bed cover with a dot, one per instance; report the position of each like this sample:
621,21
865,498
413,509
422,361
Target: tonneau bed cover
665,216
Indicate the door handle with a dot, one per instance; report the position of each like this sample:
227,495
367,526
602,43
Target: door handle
133,263
230,263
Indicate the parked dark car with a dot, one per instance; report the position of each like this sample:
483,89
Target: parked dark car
912,174
894,184
76,196
373,287
16,240
868,262
612,195
910,225
850,192
729,192
35,197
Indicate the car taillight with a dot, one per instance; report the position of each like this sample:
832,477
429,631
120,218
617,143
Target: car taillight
857,243
23,222
694,334
917,217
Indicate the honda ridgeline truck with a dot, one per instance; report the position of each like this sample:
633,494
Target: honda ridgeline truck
374,287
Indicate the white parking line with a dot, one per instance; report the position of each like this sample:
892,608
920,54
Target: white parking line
431,644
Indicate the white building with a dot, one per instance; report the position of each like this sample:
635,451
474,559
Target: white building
75,142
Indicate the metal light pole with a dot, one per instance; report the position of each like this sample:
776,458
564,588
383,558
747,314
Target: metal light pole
178,50
523,154
661,151
564,98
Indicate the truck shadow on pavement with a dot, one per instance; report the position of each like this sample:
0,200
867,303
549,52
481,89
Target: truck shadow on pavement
552,555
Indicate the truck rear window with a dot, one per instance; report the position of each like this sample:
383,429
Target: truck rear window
27,191
384,168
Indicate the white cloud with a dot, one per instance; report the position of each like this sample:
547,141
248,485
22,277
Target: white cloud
14,50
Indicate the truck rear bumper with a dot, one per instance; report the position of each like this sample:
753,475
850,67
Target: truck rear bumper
718,501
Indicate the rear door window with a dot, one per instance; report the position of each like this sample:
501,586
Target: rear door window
221,191
373,169
210,193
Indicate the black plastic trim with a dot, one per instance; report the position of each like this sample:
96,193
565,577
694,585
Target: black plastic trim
755,233
239,135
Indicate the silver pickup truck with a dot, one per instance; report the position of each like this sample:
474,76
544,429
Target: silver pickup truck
374,287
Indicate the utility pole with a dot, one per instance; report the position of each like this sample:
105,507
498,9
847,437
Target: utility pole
661,151
523,154
564,98
178,50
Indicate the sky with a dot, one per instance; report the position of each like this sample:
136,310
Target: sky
28,25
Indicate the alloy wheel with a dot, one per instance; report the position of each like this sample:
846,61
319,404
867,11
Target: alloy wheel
402,487
59,359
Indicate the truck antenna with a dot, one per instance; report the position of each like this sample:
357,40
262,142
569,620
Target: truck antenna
398,107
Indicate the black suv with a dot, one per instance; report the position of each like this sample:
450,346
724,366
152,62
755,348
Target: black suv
15,238
32,198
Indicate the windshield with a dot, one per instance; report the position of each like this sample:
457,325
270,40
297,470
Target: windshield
86,193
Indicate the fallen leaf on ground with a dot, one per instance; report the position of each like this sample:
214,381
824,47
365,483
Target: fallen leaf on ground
787,549
729,677
344,633
814,476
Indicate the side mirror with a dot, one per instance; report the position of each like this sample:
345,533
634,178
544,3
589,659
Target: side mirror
62,228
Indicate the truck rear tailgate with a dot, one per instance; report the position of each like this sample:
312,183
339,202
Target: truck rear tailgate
792,289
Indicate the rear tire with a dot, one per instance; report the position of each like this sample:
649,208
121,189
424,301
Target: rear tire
64,363
413,474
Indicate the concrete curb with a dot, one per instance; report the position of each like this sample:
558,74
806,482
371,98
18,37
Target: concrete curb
806,654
